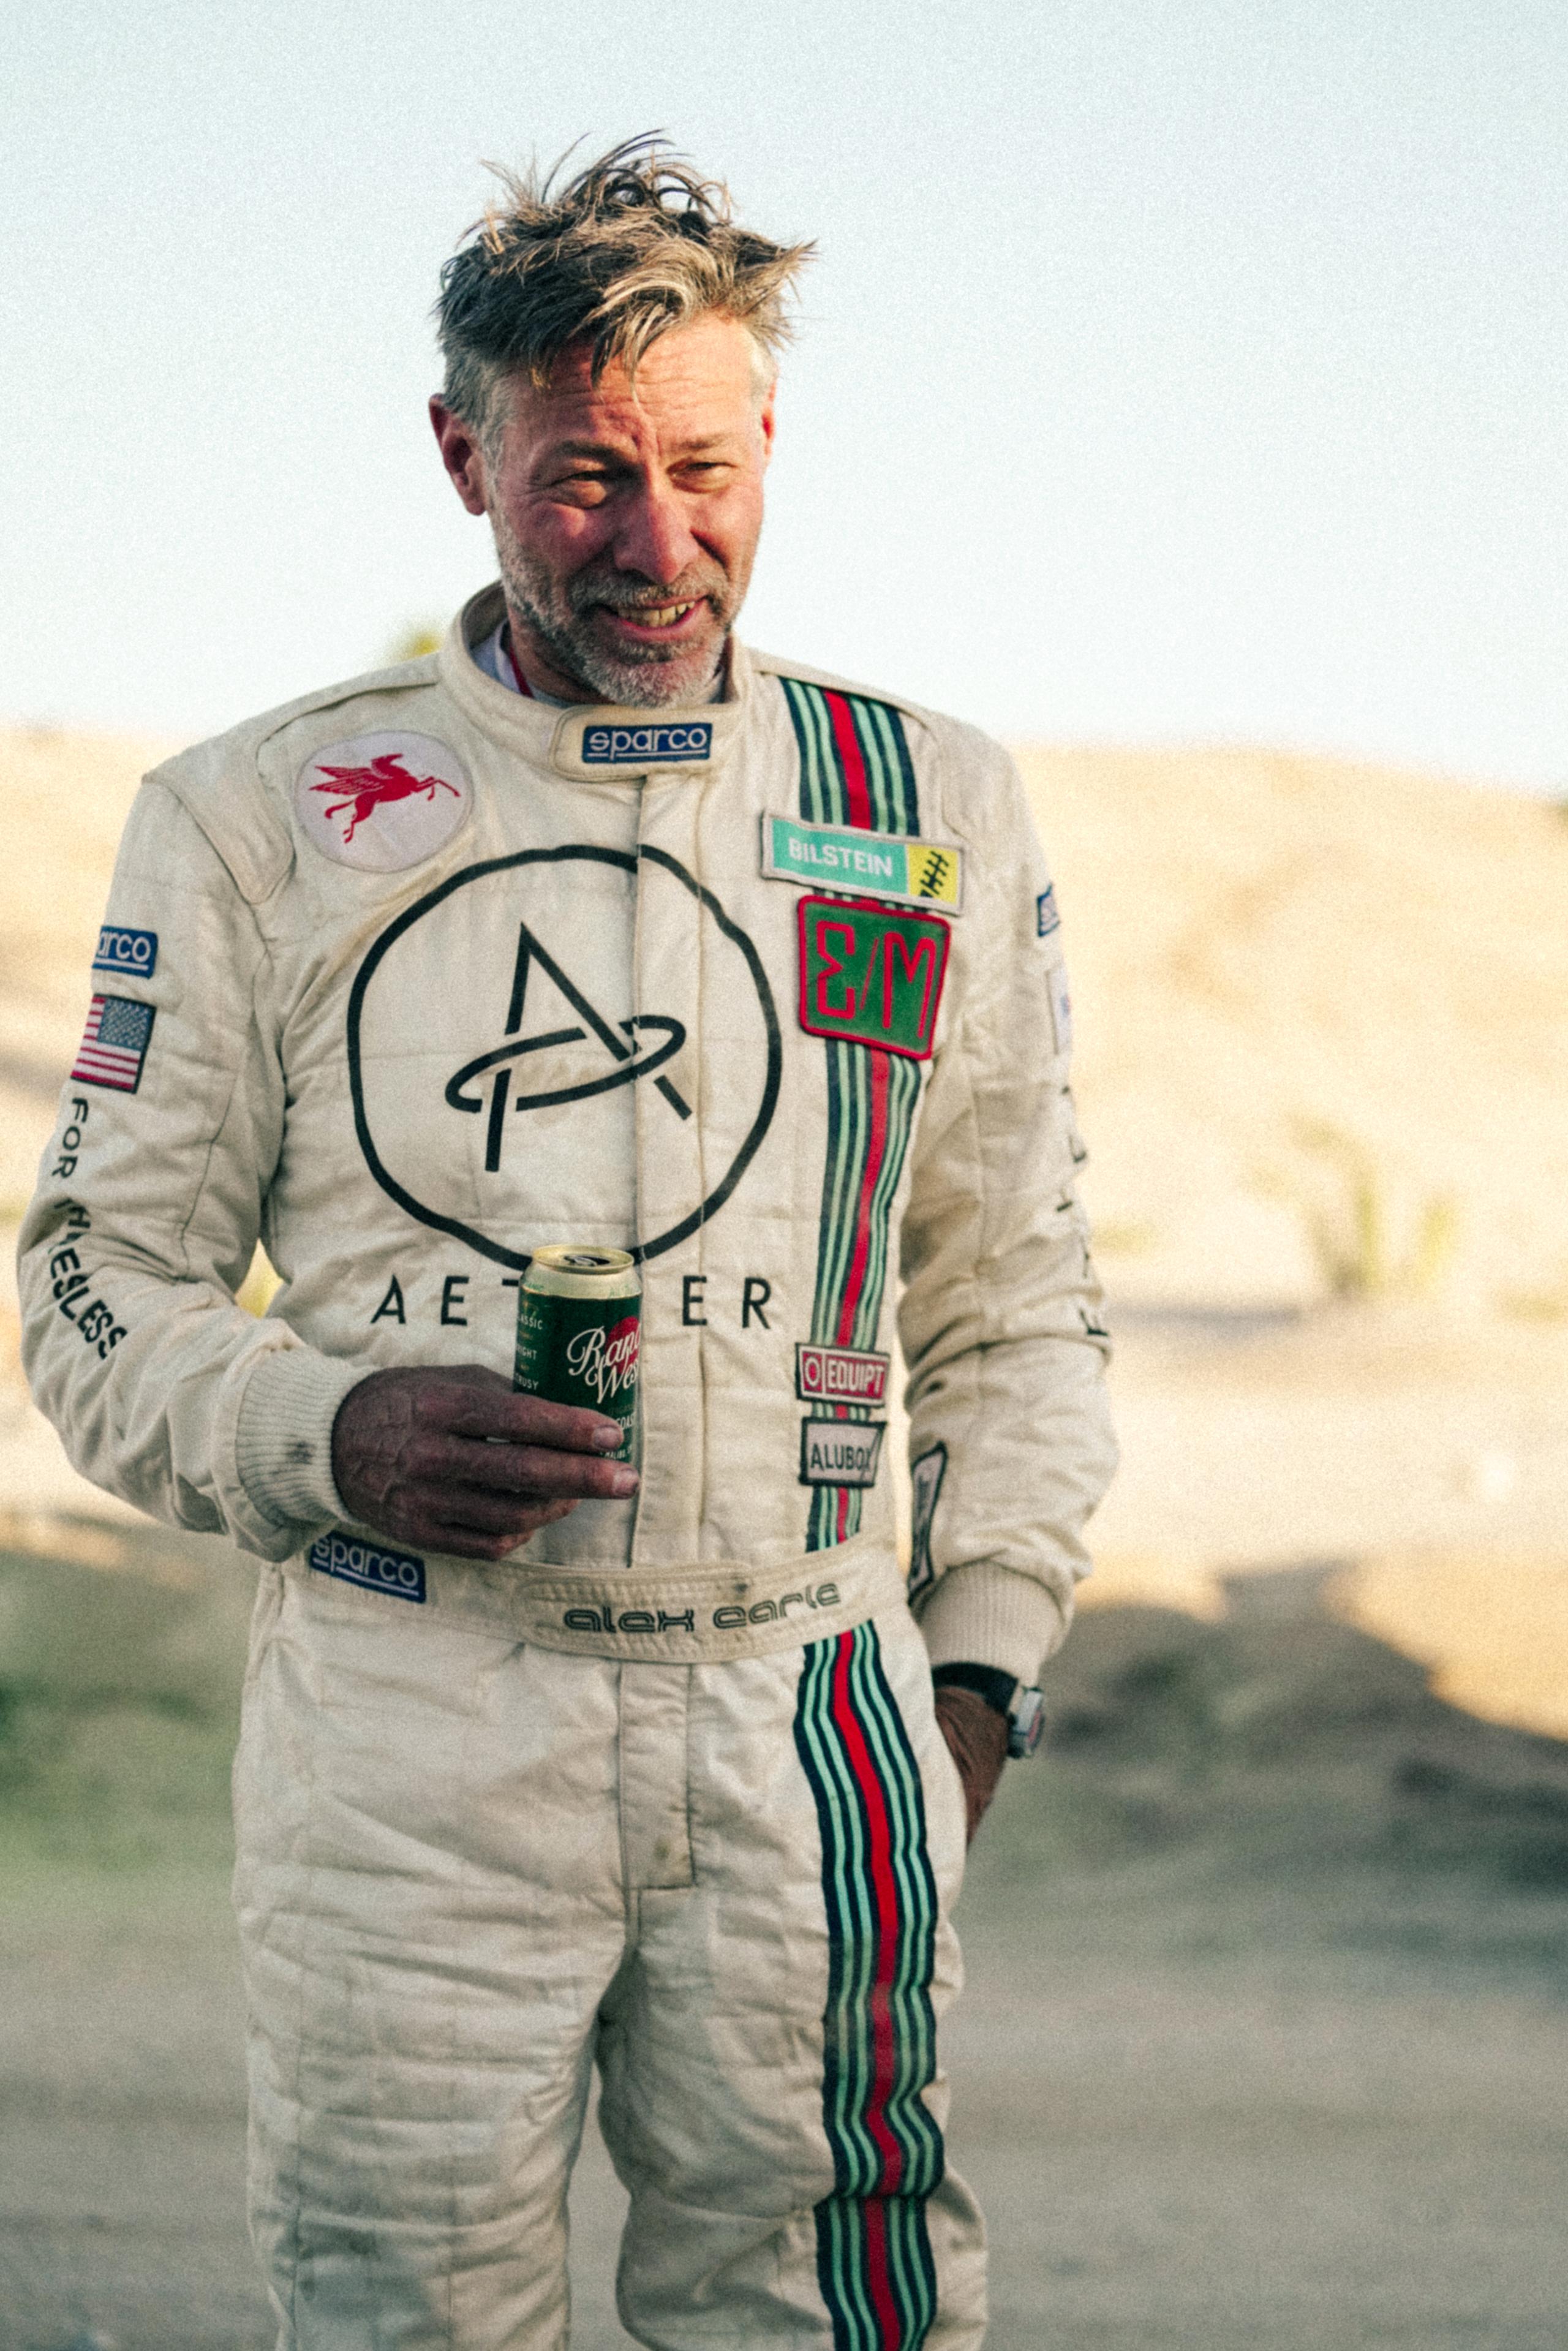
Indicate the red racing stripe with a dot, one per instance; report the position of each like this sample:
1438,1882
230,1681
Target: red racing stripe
857,792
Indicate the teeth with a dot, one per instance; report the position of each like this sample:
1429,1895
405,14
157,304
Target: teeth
659,616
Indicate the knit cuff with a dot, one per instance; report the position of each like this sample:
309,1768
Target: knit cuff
984,1615
283,1443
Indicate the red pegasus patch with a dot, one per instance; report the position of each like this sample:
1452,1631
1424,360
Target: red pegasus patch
365,789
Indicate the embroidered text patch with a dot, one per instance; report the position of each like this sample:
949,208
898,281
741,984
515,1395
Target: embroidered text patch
871,865
841,1452
674,746
840,1376
871,975
396,1573
129,951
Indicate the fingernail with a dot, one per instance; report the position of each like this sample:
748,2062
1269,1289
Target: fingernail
609,1434
624,1481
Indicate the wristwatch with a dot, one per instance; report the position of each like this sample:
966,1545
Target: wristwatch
1024,1706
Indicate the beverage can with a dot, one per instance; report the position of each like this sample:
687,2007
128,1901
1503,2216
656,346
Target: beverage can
579,1327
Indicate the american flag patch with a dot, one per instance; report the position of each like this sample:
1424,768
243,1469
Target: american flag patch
114,1044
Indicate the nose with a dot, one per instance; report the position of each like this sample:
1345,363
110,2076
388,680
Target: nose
655,538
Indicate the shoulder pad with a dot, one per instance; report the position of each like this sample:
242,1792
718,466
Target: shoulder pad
771,666
221,784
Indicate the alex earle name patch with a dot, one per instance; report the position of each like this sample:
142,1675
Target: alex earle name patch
871,865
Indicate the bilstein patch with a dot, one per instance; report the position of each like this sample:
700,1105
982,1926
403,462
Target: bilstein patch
396,1573
894,866
841,1452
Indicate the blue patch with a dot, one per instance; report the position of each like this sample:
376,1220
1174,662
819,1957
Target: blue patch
1046,917
645,747
135,952
395,1573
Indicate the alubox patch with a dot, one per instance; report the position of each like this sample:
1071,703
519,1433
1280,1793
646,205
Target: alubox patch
893,865
841,1452
396,1573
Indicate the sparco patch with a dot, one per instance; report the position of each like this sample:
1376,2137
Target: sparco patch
840,1376
871,975
681,745
841,1452
396,1573
379,802
127,951
925,1477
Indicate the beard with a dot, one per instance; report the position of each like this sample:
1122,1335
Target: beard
560,615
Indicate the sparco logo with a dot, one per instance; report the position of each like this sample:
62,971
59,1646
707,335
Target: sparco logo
638,746
490,1063
606,1361
393,1572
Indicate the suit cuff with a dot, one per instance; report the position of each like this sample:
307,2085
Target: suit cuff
984,1615
283,1441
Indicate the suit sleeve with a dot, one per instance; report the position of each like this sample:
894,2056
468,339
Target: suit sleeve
1002,1318
149,1202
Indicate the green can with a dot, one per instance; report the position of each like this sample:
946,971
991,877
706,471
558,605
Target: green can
579,1329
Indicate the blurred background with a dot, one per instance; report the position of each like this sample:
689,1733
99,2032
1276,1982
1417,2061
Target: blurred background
1178,395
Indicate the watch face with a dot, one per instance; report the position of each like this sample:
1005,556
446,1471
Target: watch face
1027,1722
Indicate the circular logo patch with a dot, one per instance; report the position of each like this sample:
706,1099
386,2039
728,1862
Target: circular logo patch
504,1086
380,802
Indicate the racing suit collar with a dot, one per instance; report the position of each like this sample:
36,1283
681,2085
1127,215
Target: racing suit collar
591,743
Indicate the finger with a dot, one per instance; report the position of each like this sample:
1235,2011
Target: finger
469,1511
538,1469
489,1413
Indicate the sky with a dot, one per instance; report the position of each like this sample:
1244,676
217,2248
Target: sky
1171,371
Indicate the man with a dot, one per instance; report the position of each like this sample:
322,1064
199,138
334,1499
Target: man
596,927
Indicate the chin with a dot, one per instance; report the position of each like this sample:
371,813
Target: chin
658,680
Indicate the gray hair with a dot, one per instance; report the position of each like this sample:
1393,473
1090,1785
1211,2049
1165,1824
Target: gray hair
636,244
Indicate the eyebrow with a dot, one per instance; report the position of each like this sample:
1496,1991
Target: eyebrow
609,448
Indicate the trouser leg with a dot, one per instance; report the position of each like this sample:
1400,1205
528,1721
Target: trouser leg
429,1896
771,2093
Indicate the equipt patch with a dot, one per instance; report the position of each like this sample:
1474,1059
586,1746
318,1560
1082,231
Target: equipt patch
114,1044
874,2267
396,1573
925,1477
134,952
380,802
872,975
841,1375
1046,916
841,1452
826,857
680,746
855,771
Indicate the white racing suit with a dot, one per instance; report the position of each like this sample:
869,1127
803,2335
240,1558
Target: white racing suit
406,979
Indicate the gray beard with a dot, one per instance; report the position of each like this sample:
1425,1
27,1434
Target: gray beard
646,678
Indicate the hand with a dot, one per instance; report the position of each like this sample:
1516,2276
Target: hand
455,1461
976,1737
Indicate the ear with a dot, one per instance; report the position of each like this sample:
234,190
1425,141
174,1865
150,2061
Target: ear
764,421
461,454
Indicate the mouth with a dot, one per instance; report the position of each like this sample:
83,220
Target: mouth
650,622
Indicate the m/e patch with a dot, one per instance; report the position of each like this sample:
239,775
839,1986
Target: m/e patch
872,975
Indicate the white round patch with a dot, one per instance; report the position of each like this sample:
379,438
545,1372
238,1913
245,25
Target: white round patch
382,801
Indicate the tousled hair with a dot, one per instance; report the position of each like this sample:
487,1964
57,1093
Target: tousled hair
637,242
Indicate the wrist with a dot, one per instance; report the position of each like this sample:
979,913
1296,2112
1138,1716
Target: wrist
1022,1708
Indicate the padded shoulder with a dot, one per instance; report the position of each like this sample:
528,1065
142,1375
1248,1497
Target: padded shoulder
221,783
773,666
